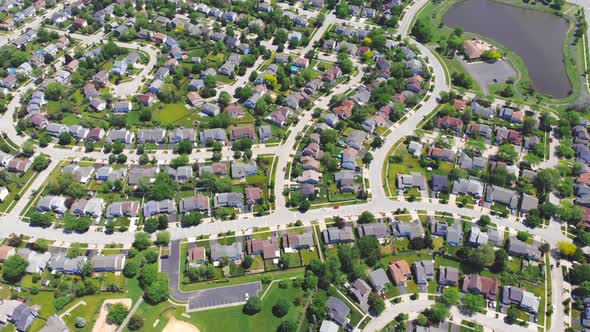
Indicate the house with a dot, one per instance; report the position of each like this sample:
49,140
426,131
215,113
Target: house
56,129
510,114
449,122
107,173
5,252
5,158
62,263
335,235
488,287
415,149
183,134
197,256
122,107
155,135
411,230
101,78
441,154
296,241
9,82
37,261
108,263
146,99
468,187
581,135
90,91
269,249
232,251
253,195
331,74
216,134
137,173
338,311
345,181
378,279
120,209
78,132
296,100
440,183
412,180
362,96
236,133
400,272
360,291
19,165
280,116
80,173
528,203
235,200
199,202
310,176
236,111
349,156
479,130
54,324
17,313
448,276
502,195
356,138
313,150
474,48
119,67
152,208
180,174
242,170
482,112
196,84
120,135
522,249
477,237
424,271
378,230
215,168
505,135
194,99
264,133
522,298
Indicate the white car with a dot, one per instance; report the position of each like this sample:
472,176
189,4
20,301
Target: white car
246,296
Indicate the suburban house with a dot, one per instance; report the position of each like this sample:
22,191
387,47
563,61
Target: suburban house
152,208
108,263
448,276
522,249
378,230
199,202
121,209
235,200
296,241
400,272
338,311
378,279
411,230
424,271
522,298
334,235
232,252
269,249
488,287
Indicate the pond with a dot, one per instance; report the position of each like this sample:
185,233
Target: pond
537,37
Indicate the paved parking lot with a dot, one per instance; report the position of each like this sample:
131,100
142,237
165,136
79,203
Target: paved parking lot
484,73
222,296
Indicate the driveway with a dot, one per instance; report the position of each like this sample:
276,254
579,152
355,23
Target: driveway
422,288
206,298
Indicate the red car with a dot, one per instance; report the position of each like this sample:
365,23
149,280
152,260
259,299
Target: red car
336,207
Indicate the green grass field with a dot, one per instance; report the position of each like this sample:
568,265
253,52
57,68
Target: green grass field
217,320
171,113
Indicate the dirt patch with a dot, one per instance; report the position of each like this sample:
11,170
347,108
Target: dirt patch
175,325
101,324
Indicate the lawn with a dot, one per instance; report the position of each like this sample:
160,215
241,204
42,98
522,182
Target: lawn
297,272
170,113
217,319
150,313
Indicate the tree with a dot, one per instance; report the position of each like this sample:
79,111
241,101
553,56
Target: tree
566,248
366,218
310,282
580,274
40,219
54,91
473,302
569,212
547,180
65,138
80,322
117,314
40,163
158,291
252,306
450,296
376,303
288,325
184,147
491,55
142,241
163,238
14,269
422,30
481,257
131,268
512,315
191,219
438,313
135,322
506,152
523,235
281,307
